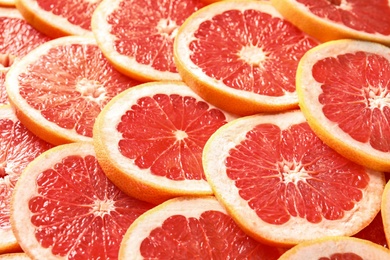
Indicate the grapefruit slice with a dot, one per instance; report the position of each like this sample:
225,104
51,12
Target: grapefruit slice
339,19
283,185
59,88
241,56
149,140
343,89
137,35
337,248
64,207
191,228
18,147
59,18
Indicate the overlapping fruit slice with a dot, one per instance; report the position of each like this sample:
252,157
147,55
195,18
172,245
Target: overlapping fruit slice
283,185
18,147
59,18
149,140
191,227
339,19
343,89
241,56
137,35
64,207
59,88
337,248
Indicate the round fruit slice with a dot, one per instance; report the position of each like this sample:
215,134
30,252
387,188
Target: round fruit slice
191,228
337,248
59,88
18,147
241,56
283,185
343,89
137,35
339,19
149,140
59,18
17,37
64,207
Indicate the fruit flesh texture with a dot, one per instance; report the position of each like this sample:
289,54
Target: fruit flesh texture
76,12
213,235
167,133
18,147
27,37
71,94
84,217
149,24
245,55
358,15
291,181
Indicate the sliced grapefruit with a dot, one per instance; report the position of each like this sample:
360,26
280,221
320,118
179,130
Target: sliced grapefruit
149,140
137,35
64,207
343,89
283,185
59,18
191,228
18,147
337,248
59,88
241,56
339,19
374,232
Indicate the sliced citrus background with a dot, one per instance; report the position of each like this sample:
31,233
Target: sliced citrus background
60,87
339,19
63,206
283,185
344,94
337,248
149,140
241,56
59,18
18,147
137,35
191,227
